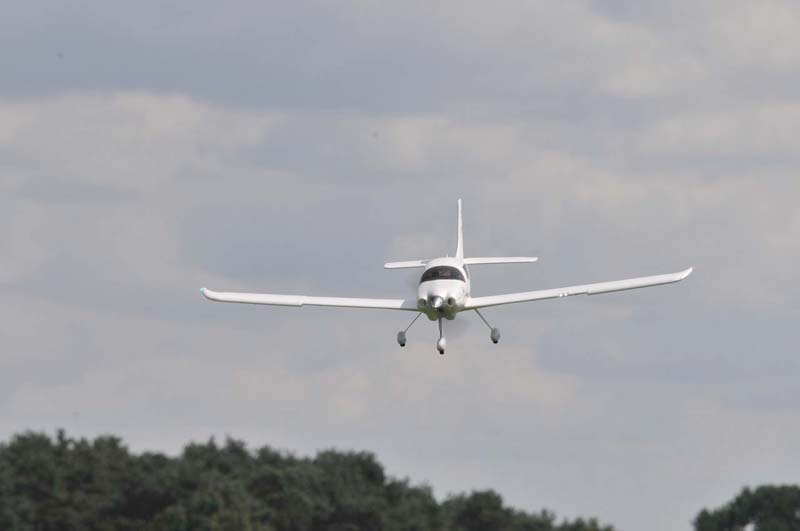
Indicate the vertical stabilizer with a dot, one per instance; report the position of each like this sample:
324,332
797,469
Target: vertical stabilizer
460,247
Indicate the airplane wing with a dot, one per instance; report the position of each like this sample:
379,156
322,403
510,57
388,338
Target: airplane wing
500,260
302,300
586,289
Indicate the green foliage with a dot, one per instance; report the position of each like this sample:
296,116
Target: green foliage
484,510
66,484
769,508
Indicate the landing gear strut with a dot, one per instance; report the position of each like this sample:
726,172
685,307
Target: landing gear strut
494,335
441,343
401,335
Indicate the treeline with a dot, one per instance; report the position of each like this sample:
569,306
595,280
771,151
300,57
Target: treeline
65,484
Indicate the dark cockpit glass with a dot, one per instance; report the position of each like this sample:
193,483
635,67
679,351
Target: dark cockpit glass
442,273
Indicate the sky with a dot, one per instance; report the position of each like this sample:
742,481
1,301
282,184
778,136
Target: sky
151,148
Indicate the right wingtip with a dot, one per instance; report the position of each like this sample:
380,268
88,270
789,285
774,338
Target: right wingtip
686,272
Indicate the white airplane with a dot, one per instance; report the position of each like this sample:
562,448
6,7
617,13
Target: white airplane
444,290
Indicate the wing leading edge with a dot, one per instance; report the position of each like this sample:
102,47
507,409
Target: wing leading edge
302,300
500,260
586,289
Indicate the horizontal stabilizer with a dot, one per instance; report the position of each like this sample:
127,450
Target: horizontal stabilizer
500,260
405,265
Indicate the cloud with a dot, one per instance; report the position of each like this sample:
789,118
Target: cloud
752,134
155,169
760,36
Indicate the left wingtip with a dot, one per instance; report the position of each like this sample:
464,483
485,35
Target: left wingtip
686,272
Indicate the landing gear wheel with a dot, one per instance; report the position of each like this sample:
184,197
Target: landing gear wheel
440,345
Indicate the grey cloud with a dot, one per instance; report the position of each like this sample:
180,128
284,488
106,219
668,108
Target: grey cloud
420,57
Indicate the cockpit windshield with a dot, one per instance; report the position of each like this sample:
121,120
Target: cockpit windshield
442,273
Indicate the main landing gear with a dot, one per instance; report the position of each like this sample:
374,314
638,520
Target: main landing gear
401,335
494,335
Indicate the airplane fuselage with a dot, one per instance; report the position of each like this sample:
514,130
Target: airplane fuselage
444,288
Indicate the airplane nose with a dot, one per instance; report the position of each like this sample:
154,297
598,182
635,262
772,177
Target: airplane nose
436,302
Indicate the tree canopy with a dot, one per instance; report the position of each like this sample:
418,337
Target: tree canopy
64,484
768,508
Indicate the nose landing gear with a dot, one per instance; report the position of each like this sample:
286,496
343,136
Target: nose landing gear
442,342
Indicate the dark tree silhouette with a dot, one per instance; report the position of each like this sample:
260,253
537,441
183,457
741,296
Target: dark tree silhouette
768,508
66,484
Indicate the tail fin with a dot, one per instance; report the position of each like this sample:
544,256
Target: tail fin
460,247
